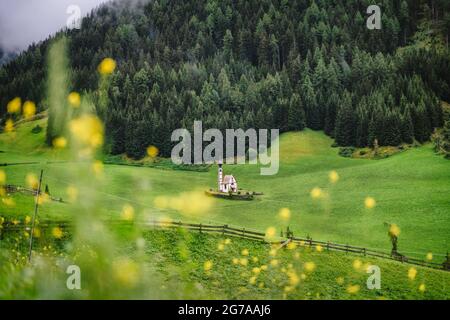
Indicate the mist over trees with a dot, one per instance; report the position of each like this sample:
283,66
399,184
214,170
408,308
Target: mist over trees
255,64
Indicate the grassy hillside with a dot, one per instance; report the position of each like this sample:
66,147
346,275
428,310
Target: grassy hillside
410,189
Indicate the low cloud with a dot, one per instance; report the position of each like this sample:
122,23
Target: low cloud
23,22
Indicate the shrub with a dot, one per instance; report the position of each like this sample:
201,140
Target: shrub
346,152
37,129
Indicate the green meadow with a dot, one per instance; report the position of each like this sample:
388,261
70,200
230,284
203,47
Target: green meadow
411,189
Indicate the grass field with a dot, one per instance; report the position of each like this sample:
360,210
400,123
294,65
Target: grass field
181,265
411,189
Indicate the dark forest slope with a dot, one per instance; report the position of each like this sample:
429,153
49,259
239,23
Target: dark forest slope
256,63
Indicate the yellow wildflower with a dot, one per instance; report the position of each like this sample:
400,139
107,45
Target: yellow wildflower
394,230
207,265
9,126
412,272
316,193
107,66
370,203
309,266
57,233
14,105
352,289
284,214
59,143
2,177
333,176
152,151
29,109
127,212
74,99
422,288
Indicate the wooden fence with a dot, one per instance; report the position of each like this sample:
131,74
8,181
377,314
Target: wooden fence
9,188
245,233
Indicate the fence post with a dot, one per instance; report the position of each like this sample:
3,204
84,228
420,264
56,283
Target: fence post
364,251
328,245
243,232
310,242
223,230
346,249
200,228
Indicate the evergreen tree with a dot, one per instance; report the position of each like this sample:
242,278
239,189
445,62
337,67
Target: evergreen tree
345,122
296,114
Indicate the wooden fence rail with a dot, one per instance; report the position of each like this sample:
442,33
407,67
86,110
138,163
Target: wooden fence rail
245,233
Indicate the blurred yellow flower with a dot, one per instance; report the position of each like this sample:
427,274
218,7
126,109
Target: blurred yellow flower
264,267
357,264
43,198
340,280
291,246
429,256
188,203
369,202
14,105
57,233
2,177
9,126
394,230
59,143
243,261
252,280
422,287
74,99
309,266
245,252
127,212
207,265
412,272
235,260
27,219
227,241
270,232
107,66
220,246
125,272
161,202
72,193
293,278
333,176
152,151
284,214
316,193
352,289
87,130
256,270
274,262
9,202
37,233
319,248
29,109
